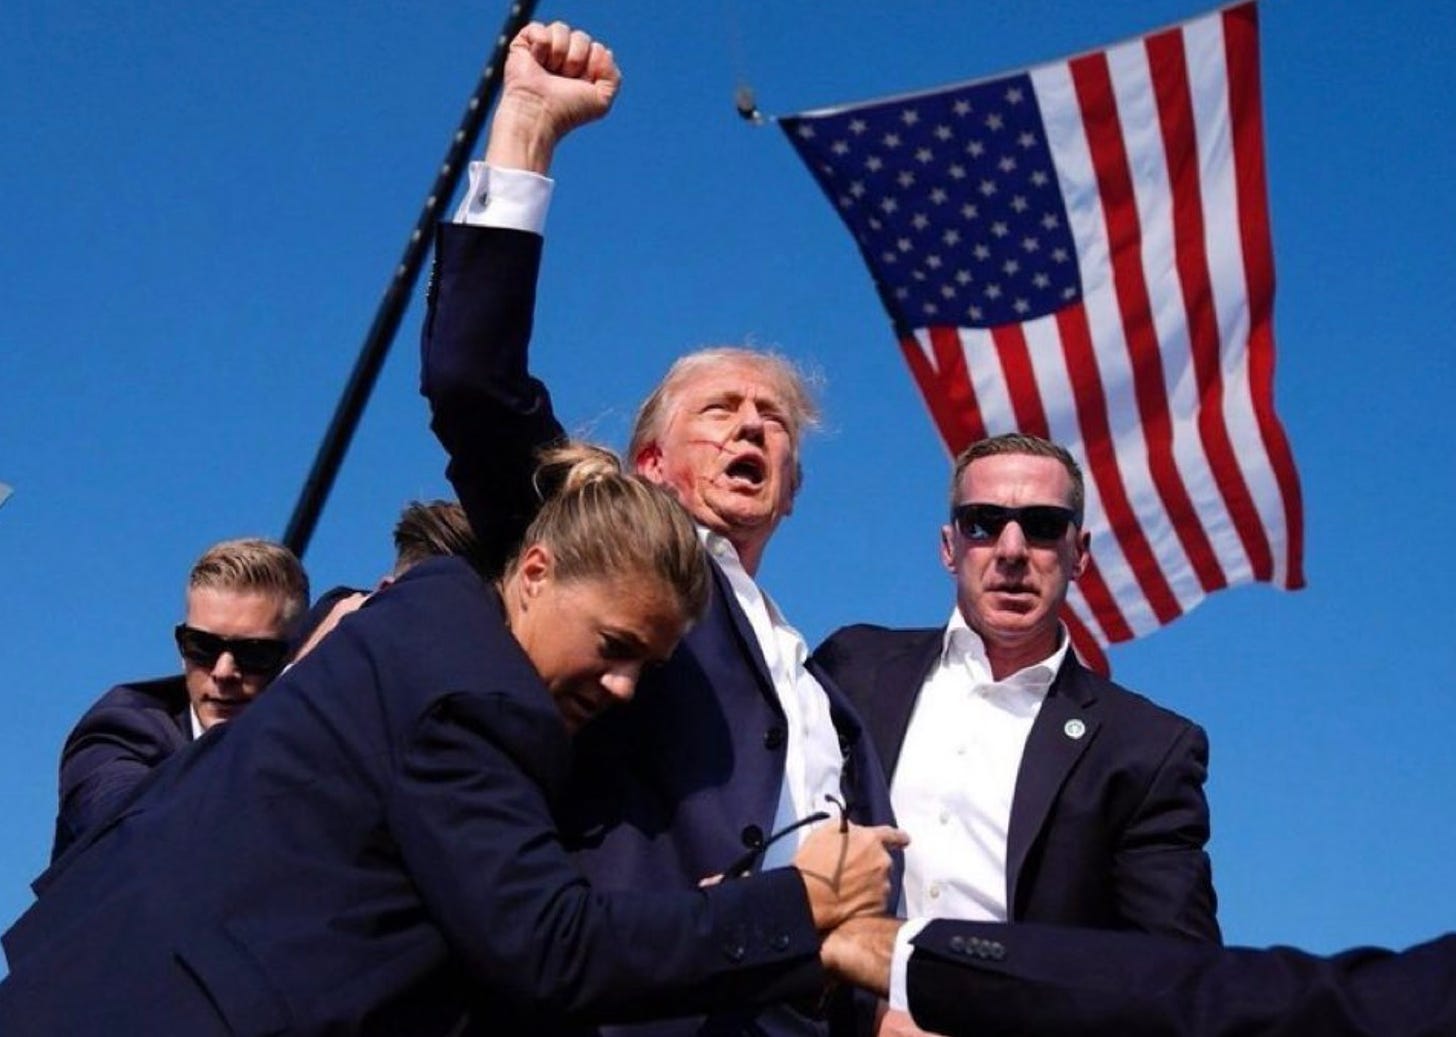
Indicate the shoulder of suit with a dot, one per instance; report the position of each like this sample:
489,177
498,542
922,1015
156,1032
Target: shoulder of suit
165,694
149,709
871,634
1124,701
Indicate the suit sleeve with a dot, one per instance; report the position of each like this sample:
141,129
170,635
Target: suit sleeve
480,844
487,411
110,753
973,978
1162,877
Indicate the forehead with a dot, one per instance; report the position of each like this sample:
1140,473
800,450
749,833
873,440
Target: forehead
235,613
734,378
1015,479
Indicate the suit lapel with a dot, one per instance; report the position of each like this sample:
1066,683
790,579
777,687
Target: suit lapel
897,684
1064,728
745,633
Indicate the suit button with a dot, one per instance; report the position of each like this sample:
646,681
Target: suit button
958,944
752,836
998,950
774,738
779,941
735,952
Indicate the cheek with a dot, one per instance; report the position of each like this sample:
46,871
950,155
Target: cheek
197,681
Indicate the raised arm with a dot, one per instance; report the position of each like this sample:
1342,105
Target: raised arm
487,411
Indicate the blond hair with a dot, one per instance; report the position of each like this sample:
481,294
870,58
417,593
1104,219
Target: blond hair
252,564
599,522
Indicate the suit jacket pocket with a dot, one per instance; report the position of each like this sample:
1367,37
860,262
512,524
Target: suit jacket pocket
235,982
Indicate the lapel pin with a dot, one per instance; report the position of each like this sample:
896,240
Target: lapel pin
1074,728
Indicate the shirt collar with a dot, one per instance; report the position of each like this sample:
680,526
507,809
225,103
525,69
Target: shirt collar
722,551
960,645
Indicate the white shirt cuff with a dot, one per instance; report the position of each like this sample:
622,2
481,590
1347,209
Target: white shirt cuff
512,198
900,961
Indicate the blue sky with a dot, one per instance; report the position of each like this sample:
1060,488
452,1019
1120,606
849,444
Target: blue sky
201,204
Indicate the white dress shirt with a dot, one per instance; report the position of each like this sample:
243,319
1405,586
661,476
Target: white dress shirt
512,198
518,199
812,764
956,777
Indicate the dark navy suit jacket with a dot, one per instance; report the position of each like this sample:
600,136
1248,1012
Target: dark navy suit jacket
370,849
113,747
1107,829
985,980
671,787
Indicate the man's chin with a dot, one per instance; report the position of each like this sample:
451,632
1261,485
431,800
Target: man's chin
215,711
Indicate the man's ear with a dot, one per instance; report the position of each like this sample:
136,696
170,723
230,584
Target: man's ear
1084,554
947,548
648,463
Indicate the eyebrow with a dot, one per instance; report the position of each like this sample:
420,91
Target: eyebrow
635,643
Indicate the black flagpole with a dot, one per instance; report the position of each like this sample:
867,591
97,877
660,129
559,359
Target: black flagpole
396,296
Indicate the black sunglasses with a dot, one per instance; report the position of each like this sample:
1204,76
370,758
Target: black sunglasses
980,523
256,656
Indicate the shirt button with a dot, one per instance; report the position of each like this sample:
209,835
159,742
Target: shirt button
934,890
945,817
774,738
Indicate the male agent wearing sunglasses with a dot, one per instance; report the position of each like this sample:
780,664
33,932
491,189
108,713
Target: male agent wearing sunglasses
244,600
1032,788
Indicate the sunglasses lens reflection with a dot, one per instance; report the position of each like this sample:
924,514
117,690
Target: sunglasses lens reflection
984,522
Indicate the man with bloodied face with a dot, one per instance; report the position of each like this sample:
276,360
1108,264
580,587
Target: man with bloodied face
738,735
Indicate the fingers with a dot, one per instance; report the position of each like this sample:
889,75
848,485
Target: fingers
847,873
891,838
564,51
601,69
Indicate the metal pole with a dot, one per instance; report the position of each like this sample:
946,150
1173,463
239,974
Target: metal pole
396,296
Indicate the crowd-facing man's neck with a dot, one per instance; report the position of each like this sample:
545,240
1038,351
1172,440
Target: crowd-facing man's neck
1008,654
750,545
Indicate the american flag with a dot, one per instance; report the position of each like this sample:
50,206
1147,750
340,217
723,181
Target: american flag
1081,251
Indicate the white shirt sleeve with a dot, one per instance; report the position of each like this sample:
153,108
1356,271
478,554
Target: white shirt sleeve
900,961
512,198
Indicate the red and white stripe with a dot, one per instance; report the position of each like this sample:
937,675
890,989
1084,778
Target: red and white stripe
1161,379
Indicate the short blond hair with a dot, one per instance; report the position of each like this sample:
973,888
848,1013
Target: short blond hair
256,565
801,410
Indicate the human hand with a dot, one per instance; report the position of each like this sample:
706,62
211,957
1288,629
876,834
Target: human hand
556,79
846,870
860,952
340,609
894,1023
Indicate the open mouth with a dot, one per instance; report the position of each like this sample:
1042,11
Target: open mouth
748,469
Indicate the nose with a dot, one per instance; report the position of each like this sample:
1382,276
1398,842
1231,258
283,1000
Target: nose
226,668
1011,544
750,422
620,682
